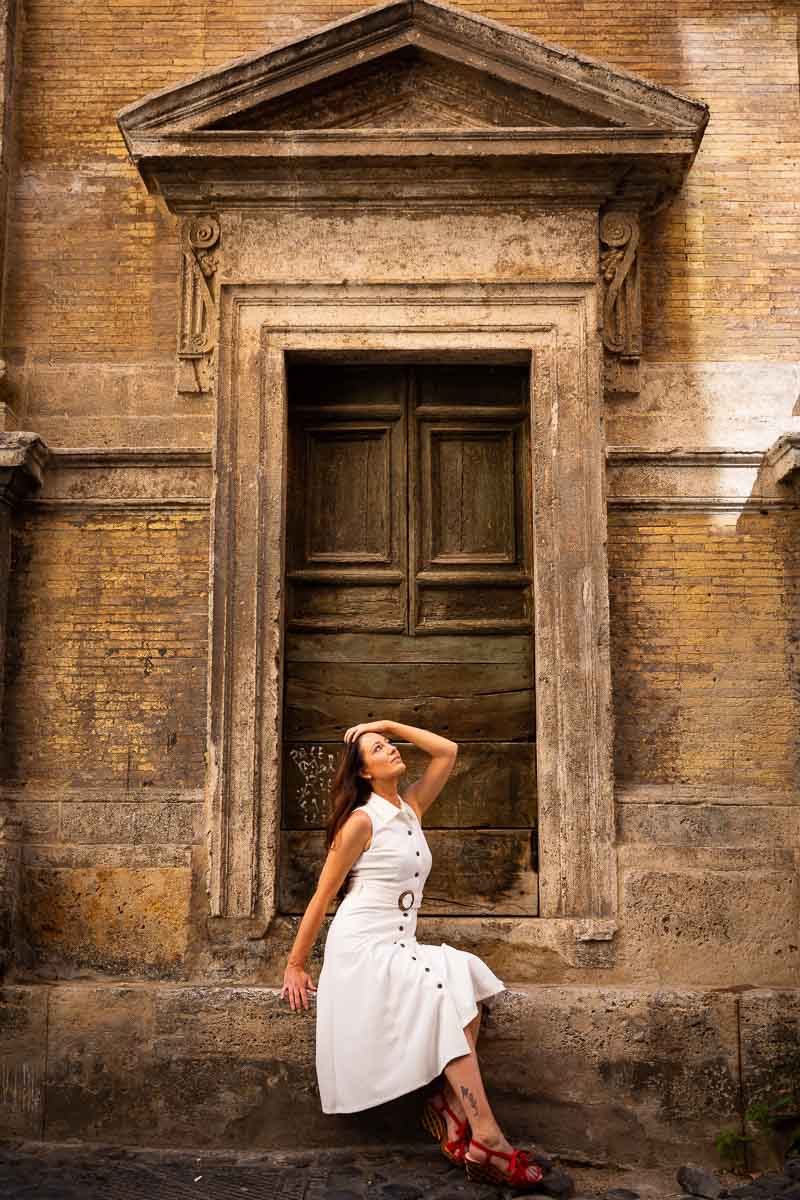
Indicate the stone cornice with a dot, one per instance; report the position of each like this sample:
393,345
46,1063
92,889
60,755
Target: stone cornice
131,456
683,456
23,457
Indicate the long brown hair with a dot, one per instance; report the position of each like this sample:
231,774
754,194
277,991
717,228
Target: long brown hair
349,791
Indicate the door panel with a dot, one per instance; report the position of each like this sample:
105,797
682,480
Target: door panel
469,505
346,517
468,494
409,597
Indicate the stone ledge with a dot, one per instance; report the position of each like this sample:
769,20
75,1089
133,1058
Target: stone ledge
627,1075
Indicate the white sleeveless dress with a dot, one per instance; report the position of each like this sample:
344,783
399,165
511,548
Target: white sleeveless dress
390,1011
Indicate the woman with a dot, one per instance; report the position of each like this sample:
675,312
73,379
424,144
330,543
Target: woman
392,1013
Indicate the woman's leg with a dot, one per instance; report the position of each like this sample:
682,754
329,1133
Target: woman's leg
464,1077
453,1099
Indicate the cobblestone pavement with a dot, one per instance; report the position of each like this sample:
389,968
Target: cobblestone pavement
73,1172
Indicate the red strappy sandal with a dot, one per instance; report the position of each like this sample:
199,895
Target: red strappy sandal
433,1121
522,1174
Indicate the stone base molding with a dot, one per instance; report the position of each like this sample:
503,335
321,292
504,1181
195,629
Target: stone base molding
604,1073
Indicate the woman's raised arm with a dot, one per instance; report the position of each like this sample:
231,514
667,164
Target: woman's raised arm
442,750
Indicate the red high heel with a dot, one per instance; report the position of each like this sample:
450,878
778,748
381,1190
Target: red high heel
518,1175
432,1120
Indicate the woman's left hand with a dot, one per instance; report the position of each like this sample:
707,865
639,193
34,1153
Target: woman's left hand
366,727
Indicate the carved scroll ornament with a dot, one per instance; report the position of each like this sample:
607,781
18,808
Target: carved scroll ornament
622,309
198,304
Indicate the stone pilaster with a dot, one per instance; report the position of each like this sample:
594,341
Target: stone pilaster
10,891
10,55
23,457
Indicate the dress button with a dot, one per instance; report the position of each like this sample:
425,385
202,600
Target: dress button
416,873
427,968
414,957
418,854
410,833
438,985
400,927
403,945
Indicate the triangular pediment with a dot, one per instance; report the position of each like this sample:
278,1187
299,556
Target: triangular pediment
409,89
412,64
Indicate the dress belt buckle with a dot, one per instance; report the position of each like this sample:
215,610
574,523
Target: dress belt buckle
408,904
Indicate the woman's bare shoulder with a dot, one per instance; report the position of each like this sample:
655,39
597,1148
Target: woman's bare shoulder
361,820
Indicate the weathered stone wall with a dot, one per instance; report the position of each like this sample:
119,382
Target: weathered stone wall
105,758
105,725
92,319
105,731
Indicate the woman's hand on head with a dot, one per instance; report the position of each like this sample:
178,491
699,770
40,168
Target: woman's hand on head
296,985
365,727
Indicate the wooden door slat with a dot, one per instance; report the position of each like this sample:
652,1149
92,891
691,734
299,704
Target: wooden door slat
390,648
474,872
493,785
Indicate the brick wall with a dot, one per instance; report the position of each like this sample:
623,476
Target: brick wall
106,668
104,735
706,626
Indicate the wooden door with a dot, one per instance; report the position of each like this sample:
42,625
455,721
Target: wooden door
409,596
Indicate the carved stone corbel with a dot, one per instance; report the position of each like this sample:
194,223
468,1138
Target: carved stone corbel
783,459
622,307
23,457
197,318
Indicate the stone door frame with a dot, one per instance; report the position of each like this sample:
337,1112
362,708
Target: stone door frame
555,328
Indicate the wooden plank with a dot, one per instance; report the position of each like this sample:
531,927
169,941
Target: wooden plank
467,607
470,701
345,606
492,785
462,384
468,493
490,872
345,384
392,648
